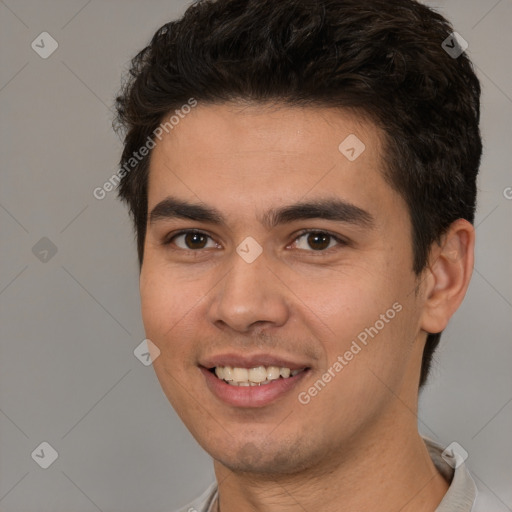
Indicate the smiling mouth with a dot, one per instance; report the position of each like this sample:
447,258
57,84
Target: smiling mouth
257,376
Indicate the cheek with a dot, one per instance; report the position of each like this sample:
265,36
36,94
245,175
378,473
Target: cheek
355,301
156,302
372,320
166,312
166,305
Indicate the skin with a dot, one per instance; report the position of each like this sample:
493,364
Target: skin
355,445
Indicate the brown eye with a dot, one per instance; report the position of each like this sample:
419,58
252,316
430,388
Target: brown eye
190,240
195,240
317,241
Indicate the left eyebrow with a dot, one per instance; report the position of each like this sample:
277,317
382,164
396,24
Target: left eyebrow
329,209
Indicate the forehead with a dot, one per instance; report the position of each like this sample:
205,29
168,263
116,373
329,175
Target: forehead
234,156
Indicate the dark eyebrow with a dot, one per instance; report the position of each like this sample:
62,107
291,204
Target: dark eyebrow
329,209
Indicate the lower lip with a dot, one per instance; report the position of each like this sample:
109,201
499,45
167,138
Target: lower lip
251,396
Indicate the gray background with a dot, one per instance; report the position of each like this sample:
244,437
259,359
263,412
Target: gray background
69,325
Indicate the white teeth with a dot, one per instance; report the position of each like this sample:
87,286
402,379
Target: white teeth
254,376
240,374
258,374
228,373
284,372
245,384
273,373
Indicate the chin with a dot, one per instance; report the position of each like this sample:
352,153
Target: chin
262,458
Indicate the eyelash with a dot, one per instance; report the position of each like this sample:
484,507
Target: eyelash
168,240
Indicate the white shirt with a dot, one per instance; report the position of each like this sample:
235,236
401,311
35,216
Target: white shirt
462,495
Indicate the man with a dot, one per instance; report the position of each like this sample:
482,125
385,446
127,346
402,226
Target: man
301,176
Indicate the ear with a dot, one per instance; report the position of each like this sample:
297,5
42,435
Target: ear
446,278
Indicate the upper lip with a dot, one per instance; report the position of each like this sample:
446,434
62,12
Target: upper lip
251,361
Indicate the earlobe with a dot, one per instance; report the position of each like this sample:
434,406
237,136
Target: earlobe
449,273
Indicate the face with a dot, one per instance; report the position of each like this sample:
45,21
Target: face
274,257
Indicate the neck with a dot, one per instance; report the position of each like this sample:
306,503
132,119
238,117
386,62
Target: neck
388,470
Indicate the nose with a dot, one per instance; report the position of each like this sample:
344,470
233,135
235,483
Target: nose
249,297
